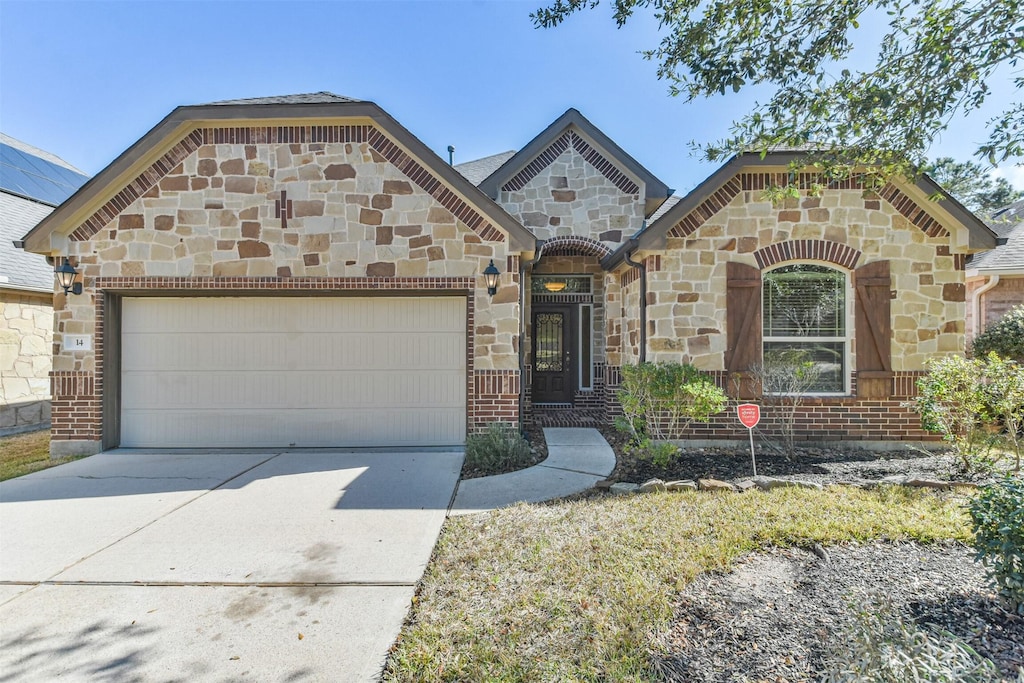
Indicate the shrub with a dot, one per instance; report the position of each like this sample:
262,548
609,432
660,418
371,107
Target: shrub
785,377
1005,337
997,520
1004,380
882,647
499,448
660,401
953,401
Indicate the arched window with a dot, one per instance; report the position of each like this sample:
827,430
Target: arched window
805,333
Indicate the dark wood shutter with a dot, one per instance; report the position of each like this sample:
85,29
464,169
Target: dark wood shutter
874,330
743,323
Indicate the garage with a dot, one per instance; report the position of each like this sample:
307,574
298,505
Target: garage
237,372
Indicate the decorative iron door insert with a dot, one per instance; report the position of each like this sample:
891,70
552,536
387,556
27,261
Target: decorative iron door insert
554,341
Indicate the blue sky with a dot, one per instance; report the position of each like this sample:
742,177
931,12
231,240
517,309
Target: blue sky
86,79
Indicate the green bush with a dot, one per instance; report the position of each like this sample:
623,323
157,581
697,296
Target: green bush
1005,337
997,520
953,401
660,401
882,647
499,448
1004,381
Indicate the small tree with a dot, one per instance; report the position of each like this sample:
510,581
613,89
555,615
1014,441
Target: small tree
1005,337
785,378
1005,382
953,401
661,400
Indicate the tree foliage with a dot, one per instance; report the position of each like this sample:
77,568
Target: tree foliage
935,61
970,183
1004,337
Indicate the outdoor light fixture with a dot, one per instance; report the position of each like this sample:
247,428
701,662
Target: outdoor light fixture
65,274
554,285
491,275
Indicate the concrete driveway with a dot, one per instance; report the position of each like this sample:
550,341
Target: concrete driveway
226,566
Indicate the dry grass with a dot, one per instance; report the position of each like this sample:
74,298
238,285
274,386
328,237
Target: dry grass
24,453
578,591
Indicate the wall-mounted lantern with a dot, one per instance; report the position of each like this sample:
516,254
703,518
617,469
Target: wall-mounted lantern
491,275
66,274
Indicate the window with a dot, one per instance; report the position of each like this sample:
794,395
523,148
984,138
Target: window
805,325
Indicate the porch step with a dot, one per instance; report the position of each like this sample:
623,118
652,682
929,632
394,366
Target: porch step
566,416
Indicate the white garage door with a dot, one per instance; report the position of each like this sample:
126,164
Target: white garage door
317,371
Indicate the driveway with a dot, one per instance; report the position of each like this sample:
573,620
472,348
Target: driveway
186,566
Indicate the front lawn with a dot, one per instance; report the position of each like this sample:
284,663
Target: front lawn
24,453
582,590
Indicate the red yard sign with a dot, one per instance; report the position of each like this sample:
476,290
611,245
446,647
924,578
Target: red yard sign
750,414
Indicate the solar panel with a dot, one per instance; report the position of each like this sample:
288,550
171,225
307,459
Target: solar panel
30,176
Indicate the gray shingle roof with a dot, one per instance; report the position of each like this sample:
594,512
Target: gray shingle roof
1008,223
20,269
475,171
322,97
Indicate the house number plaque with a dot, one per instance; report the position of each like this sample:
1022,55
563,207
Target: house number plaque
78,342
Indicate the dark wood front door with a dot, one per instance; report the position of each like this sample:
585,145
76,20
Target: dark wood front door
554,357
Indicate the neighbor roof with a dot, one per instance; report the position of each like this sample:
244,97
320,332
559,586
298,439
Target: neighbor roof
655,190
69,215
32,182
1008,223
30,172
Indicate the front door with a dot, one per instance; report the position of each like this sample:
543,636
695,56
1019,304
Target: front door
554,362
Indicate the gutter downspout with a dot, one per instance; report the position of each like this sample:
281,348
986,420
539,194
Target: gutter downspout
634,243
976,302
522,329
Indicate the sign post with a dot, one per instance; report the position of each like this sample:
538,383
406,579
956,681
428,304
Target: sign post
750,415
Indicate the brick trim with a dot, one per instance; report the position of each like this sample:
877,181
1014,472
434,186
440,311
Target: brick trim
310,284
743,182
377,141
817,250
575,245
589,154
628,277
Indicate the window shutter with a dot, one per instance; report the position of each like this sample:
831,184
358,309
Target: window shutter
743,321
874,330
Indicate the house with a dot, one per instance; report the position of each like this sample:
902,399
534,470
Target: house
32,182
995,278
303,271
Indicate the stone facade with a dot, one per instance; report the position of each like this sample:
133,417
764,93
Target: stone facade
313,216
688,312
26,346
570,196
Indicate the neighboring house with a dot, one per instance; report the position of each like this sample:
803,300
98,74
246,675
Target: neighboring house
995,278
304,271
32,182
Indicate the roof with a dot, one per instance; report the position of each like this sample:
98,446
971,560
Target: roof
32,181
653,237
477,170
664,208
319,106
322,97
20,269
1008,223
655,190
32,173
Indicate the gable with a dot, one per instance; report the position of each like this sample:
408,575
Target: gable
143,166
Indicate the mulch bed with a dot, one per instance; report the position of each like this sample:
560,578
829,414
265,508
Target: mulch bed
821,465
779,615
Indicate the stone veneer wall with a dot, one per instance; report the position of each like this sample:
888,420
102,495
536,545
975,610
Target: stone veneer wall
995,303
687,298
353,221
688,295
570,196
26,346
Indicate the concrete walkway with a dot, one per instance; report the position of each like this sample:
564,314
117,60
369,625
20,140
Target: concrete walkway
577,459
